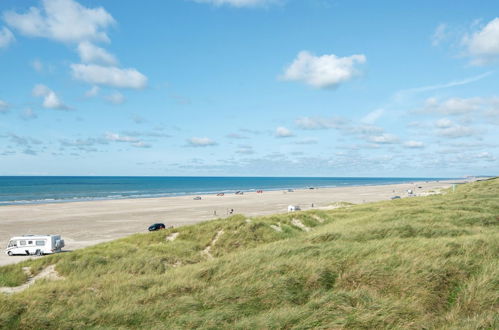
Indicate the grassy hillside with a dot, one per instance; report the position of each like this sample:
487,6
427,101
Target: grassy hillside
429,262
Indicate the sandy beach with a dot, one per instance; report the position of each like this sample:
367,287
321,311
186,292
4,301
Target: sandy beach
83,224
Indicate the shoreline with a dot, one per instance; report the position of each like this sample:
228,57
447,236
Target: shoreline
119,195
87,223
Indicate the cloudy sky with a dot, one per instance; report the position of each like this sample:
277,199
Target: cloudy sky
249,87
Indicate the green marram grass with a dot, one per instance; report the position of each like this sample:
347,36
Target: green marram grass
424,262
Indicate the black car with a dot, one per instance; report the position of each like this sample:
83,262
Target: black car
157,226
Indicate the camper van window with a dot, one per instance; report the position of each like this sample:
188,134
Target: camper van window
22,242
12,243
30,242
40,243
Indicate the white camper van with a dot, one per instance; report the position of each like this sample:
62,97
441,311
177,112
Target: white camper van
35,244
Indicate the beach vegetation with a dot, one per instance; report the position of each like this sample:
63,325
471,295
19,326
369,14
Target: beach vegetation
419,262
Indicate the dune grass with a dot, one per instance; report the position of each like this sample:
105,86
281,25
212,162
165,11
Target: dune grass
430,262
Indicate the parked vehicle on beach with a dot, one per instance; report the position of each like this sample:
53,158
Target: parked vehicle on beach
395,197
34,245
197,198
156,226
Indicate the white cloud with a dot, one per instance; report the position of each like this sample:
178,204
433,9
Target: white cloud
414,144
4,107
310,123
201,142
364,130
62,20
453,106
240,3
373,116
283,132
6,37
116,98
383,139
69,22
447,128
326,71
92,92
439,35
52,101
131,140
89,53
115,137
50,98
110,76
141,144
89,144
444,123
481,109
483,45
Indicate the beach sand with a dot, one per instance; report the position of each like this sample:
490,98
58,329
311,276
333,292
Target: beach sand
83,224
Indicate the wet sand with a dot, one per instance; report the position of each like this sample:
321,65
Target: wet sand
83,224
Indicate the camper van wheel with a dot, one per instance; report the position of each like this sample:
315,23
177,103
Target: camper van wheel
9,253
39,253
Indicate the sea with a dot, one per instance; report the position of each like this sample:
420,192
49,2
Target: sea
58,189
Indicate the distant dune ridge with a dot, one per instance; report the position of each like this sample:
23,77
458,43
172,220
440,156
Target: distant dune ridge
421,262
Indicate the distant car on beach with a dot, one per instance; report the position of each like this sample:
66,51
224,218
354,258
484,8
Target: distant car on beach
156,226
395,197
197,198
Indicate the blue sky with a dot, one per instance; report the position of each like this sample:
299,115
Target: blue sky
249,87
